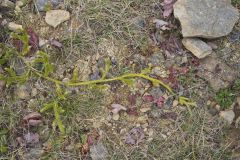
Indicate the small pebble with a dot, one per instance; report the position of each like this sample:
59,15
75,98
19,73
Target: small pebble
175,103
19,3
227,115
14,27
145,109
115,117
34,92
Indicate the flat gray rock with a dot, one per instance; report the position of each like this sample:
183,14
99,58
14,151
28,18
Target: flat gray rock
206,18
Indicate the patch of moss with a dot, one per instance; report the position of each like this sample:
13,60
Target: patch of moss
226,97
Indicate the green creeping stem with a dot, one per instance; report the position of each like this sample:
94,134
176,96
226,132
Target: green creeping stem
124,78
119,78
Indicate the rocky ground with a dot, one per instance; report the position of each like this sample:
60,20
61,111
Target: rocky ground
63,94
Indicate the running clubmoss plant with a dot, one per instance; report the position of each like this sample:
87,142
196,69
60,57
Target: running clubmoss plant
41,67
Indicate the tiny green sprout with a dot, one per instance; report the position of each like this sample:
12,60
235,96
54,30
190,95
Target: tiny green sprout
107,68
57,112
75,75
44,60
187,102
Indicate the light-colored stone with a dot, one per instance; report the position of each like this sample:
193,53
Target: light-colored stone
18,10
14,27
22,92
227,115
83,68
159,71
198,48
34,92
56,17
145,109
115,116
42,42
4,22
206,18
175,103
150,132
19,3
7,3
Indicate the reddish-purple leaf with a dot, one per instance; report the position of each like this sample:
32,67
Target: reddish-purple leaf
33,40
148,98
33,122
160,24
2,83
33,119
135,136
132,111
160,101
90,140
170,46
18,45
132,99
167,7
170,115
31,138
117,108
33,115
21,141
55,43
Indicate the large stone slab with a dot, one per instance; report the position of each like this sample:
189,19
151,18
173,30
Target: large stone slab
206,18
218,74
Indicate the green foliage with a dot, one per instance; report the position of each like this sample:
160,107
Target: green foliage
187,102
13,78
3,141
6,53
106,69
236,87
61,94
43,60
42,67
225,98
23,37
128,81
47,7
75,75
57,111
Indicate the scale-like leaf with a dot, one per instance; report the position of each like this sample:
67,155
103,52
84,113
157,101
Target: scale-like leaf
128,81
107,68
44,60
